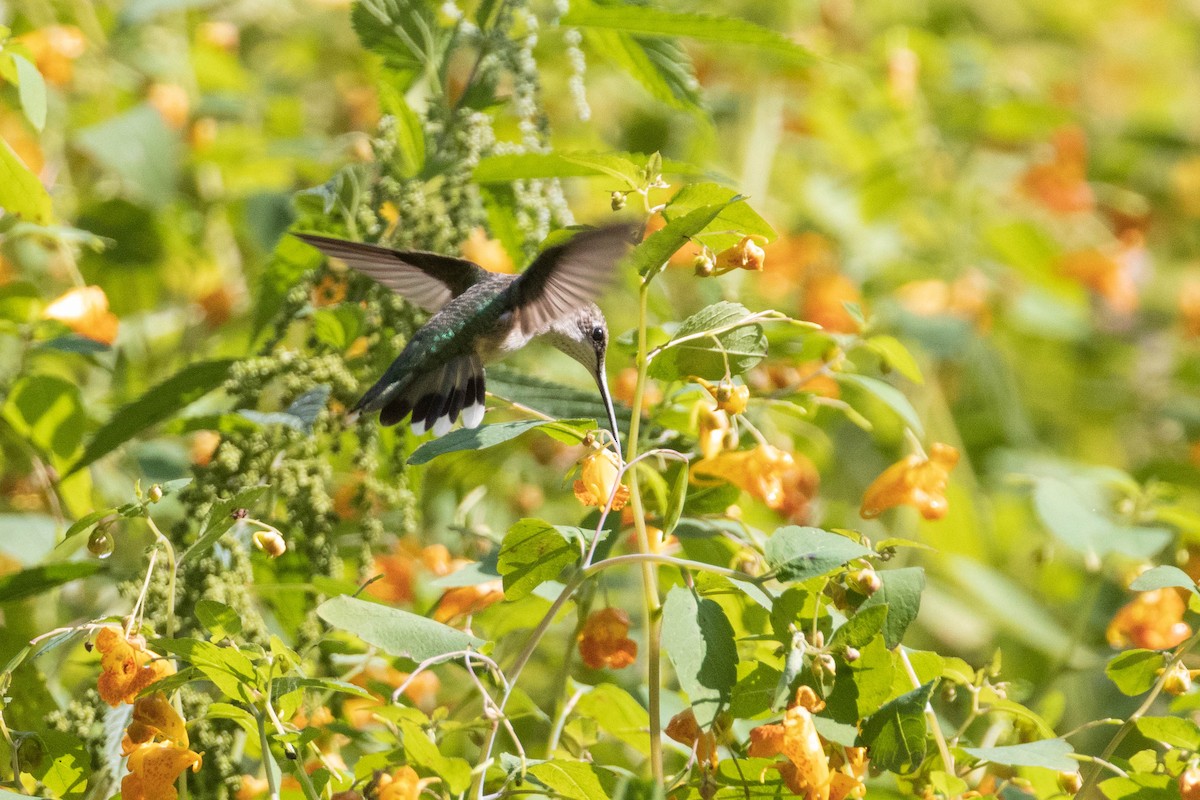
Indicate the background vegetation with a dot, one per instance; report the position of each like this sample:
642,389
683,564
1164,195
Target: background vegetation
952,408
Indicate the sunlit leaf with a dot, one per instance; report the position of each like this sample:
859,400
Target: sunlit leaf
1135,671
797,553
533,552
396,632
486,436
699,641
709,341
895,734
1047,753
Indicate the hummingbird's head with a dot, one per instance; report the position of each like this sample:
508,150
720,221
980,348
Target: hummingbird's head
583,335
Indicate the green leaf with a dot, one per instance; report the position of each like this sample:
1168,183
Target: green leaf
21,193
420,750
1141,786
737,216
408,133
1135,671
1071,509
47,410
618,714
524,166
31,87
486,436
699,641
396,632
901,593
651,255
282,686
861,687
1171,731
777,49
532,553
675,502
338,326
35,580
648,61
612,164
895,356
231,712
741,346
555,399
218,619
66,767
301,415
889,395
895,734
228,668
220,519
1162,577
797,553
860,628
290,261
405,33
574,780
138,149
1048,753
164,400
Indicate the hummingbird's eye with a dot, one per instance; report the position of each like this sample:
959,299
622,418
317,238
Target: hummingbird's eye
597,335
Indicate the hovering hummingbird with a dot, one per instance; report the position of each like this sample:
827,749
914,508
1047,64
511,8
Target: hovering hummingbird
479,317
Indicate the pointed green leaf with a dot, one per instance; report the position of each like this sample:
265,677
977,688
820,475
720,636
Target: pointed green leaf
1135,671
35,580
491,435
797,553
737,219
573,780
651,255
220,519
1047,753
532,553
31,88
1162,577
618,714
901,593
699,641
707,354
396,632
21,193
895,734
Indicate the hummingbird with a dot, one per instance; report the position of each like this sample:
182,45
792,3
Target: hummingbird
479,316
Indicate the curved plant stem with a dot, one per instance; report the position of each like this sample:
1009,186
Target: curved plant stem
652,607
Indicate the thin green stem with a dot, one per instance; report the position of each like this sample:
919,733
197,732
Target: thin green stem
650,601
170,551
268,761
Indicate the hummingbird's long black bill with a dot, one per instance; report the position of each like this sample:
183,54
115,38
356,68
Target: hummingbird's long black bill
602,382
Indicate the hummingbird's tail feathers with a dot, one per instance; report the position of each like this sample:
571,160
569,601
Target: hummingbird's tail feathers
439,397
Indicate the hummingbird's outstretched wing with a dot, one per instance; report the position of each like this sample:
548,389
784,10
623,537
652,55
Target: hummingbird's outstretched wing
568,276
427,279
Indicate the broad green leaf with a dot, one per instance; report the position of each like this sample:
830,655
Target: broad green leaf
532,553
737,217
895,734
21,193
611,164
138,149
32,90
338,326
777,49
36,580
229,668
156,405
300,415
1135,671
220,519
231,712
524,166
861,687
661,66
889,395
1141,786
895,356
1072,510
420,750
618,714
404,32
699,641
754,693
901,593
1171,731
797,553
1048,753
48,411
860,628
290,261
282,686
486,436
555,399
1162,577
707,354
396,632
573,780
651,255
66,766
218,619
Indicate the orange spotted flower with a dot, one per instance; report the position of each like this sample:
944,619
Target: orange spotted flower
462,601
808,770
604,641
598,475
1113,274
731,398
127,667
1153,620
1060,183
153,770
1189,783
403,784
917,480
746,254
785,482
329,291
684,729
85,311
154,718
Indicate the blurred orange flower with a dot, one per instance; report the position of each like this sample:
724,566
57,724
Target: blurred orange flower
716,431
786,482
826,294
171,101
462,601
684,729
127,667
55,49
793,258
598,476
487,253
746,254
204,445
1114,275
1185,184
1189,307
1060,183
217,305
154,717
966,297
1189,783
604,642
251,787
808,770
625,384
403,784
85,311
916,481
153,770
329,291
1153,620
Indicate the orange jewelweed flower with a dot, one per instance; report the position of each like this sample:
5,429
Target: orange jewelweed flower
55,49
826,294
329,291
785,482
746,254
487,253
915,481
1153,620
153,770
465,600
1189,307
1060,184
252,786
1111,275
126,667
598,476
403,784
85,311
604,642
684,729
154,717
1189,783
731,398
